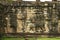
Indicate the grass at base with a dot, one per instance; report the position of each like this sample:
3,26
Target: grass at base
31,39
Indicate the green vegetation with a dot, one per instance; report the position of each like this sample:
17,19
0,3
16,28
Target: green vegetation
9,1
32,39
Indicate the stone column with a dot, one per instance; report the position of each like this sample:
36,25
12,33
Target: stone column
46,18
59,26
19,21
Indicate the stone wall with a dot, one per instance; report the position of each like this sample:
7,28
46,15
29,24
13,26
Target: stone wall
30,18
